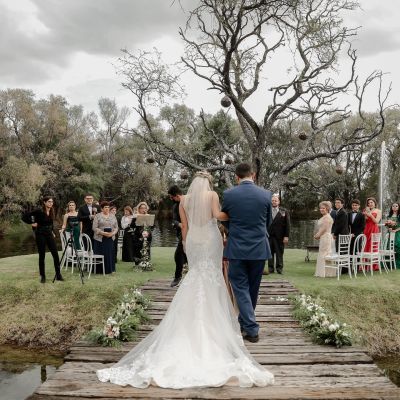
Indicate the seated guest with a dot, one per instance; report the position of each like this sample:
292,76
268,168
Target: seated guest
105,227
139,232
71,223
127,243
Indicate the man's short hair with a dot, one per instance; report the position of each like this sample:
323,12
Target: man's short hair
243,170
339,199
174,190
88,195
356,201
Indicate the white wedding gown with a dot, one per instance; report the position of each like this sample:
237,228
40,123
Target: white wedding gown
198,343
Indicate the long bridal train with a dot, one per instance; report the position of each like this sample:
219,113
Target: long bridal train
198,343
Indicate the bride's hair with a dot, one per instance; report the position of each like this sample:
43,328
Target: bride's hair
204,174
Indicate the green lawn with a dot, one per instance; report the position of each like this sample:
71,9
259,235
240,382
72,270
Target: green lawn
54,315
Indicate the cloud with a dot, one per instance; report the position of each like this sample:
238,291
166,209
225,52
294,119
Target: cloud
37,44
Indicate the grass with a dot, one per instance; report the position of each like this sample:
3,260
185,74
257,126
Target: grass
53,316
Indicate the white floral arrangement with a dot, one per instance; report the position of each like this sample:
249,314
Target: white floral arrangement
122,325
145,263
315,319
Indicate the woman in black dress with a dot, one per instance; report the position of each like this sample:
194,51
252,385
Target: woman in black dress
72,224
139,233
42,224
127,241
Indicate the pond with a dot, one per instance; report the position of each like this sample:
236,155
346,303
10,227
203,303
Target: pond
163,236
22,371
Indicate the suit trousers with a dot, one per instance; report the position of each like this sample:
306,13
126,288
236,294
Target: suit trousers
277,249
245,278
41,241
180,260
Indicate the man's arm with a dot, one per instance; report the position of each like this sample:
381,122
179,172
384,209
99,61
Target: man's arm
287,228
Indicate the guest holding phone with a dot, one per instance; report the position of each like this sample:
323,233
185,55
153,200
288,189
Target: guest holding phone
105,227
86,215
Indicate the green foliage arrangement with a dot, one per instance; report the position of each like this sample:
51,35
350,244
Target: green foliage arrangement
123,324
315,320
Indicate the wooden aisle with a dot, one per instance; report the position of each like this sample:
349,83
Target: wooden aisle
302,369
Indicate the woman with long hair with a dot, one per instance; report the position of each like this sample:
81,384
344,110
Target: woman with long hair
139,232
42,223
71,223
127,241
372,218
394,226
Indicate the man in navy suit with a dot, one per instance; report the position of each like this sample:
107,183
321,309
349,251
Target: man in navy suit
247,249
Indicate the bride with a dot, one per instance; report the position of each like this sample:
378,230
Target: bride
198,343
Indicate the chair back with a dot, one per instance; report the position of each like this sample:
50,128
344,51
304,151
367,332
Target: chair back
86,243
375,242
359,244
344,244
63,240
390,241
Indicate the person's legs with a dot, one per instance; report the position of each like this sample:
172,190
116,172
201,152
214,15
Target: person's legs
255,269
279,248
180,259
271,261
41,245
238,274
51,244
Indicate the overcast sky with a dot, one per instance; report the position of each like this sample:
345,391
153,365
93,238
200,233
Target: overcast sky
68,47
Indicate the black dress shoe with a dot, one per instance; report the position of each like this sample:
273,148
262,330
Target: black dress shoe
175,282
59,278
42,279
252,339
279,272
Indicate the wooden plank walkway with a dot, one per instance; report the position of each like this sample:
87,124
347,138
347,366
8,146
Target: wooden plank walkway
302,369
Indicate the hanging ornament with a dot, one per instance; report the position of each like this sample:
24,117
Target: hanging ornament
184,175
228,160
226,101
339,169
302,136
150,160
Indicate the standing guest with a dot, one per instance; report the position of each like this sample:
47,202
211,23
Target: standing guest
356,221
113,211
105,227
340,224
394,215
324,236
127,241
42,223
372,217
175,194
278,235
139,233
71,223
86,215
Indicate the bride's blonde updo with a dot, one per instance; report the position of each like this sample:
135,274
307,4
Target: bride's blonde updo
204,174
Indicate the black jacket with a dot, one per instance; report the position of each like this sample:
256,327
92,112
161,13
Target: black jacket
84,216
44,221
341,224
280,225
357,227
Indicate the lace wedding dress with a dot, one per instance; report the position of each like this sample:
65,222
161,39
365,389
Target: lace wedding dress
198,343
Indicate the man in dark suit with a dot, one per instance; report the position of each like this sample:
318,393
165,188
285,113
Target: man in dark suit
175,194
356,221
247,248
340,225
278,235
86,214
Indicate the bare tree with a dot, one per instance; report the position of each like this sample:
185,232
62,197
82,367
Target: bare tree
230,43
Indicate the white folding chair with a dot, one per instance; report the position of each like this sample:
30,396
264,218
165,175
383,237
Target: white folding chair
369,258
120,242
70,255
342,258
89,258
358,249
387,251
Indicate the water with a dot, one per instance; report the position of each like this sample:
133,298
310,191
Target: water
164,235
22,371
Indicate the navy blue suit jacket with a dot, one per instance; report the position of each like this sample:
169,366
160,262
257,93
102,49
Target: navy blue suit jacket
249,210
